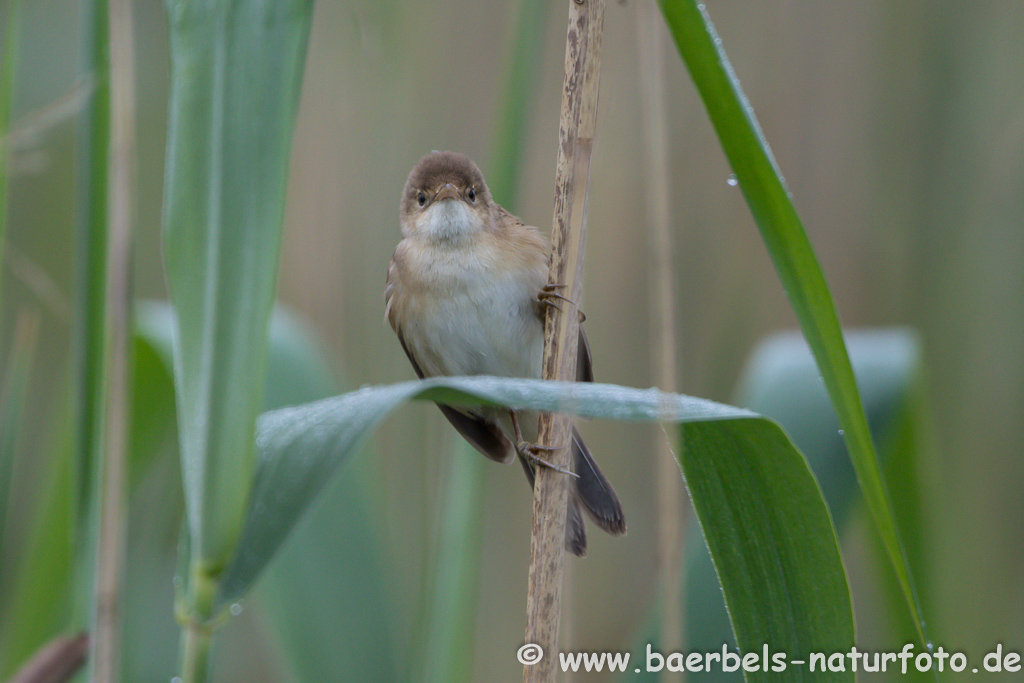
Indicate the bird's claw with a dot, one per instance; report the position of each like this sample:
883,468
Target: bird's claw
529,451
547,295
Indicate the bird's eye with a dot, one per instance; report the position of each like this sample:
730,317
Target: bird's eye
472,195
421,198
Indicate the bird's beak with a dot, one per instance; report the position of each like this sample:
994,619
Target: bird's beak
447,192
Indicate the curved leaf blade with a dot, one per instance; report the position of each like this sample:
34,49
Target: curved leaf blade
737,463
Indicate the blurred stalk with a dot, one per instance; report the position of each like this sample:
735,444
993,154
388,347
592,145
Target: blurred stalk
670,514
87,346
56,662
8,69
577,126
448,629
12,403
451,602
104,659
520,91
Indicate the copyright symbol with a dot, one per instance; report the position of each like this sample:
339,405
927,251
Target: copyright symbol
530,654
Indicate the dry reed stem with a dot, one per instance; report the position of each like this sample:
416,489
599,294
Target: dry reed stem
577,125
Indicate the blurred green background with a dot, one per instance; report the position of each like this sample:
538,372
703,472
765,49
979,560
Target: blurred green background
900,129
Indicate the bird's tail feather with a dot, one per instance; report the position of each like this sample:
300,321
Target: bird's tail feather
594,492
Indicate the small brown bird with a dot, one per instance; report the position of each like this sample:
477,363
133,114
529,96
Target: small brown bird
465,294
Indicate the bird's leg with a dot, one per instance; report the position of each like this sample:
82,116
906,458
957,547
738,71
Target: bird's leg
547,295
529,450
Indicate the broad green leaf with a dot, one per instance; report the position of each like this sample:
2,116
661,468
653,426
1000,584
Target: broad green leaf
236,69
761,510
769,200
780,380
766,525
299,447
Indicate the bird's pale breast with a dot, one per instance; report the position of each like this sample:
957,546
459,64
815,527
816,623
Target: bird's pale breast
471,312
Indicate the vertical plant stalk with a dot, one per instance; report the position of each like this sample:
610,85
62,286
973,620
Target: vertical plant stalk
105,659
577,125
8,69
670,519
523,70
88,342
447,631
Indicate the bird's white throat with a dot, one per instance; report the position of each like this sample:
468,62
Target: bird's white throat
449,220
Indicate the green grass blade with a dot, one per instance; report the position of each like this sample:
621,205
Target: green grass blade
801,275
300,447
236,70
92,145
786,550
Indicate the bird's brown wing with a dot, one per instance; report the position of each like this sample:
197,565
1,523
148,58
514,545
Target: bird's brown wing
483,434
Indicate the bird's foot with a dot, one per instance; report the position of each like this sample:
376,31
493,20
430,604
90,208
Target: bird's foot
547,295
531,451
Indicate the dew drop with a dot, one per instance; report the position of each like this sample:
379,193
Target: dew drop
235,609
732,180
841,432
